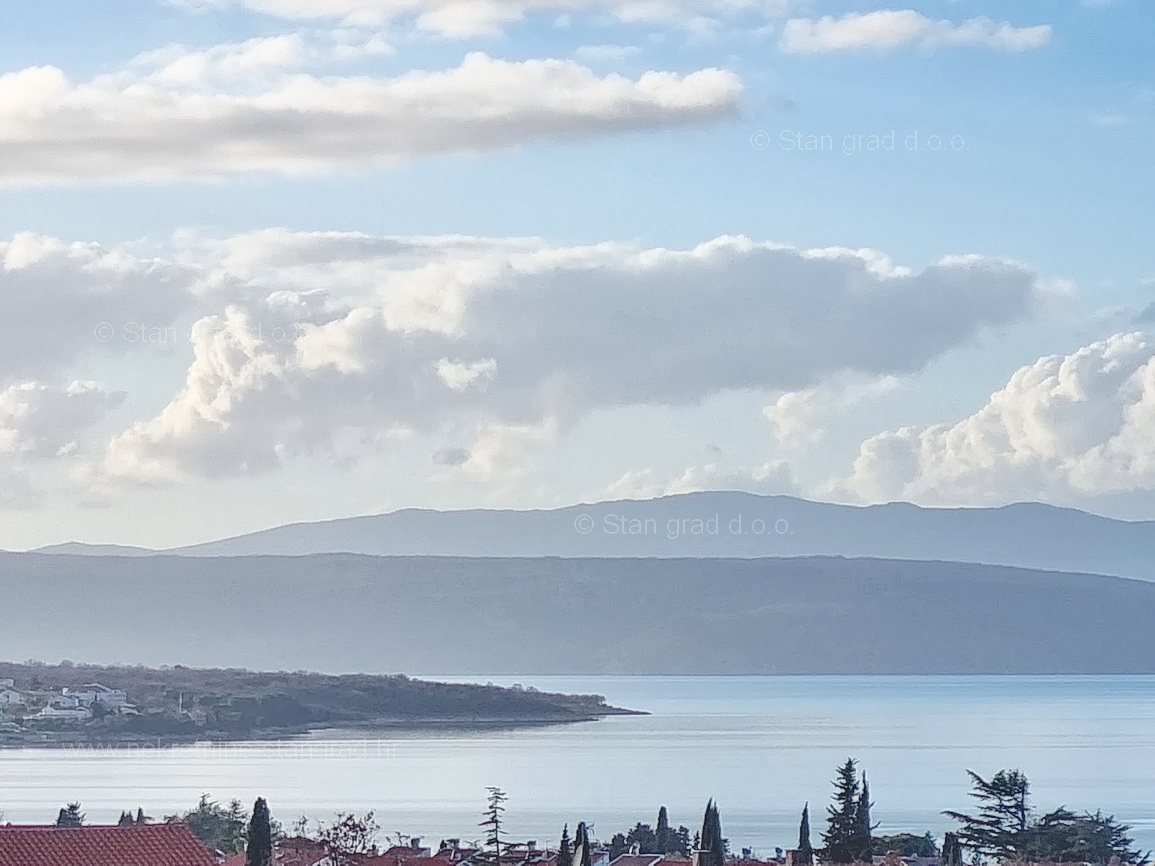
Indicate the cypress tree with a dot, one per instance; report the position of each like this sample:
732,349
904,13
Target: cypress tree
864,843
842,836
805,849
581,846
951,850
662,832
711,847
259,850
564,851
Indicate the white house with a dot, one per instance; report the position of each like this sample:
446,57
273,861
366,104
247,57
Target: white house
79,714
95,693
7,683
9,697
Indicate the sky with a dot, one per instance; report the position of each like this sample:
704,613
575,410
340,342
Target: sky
267,261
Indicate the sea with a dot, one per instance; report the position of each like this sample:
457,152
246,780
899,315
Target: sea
761,747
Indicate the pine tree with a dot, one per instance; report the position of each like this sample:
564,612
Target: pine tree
805,849
841,836
564,851
864,843
259,850
998,830
662,832
492,824
70,816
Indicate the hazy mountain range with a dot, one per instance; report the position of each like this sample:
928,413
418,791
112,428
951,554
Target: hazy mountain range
341,612
720,524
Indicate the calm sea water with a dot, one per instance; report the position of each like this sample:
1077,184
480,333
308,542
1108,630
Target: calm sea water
761,746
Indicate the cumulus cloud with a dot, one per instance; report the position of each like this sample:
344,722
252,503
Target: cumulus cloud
55,295
462,18
42,427
243,108
40,421
901,28
1063,427
798,416
515,341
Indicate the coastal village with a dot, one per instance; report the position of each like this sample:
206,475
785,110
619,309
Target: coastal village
23,709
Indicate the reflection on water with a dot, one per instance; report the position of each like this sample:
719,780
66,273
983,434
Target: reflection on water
761,745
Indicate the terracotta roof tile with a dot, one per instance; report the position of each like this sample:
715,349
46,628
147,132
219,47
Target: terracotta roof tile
147,845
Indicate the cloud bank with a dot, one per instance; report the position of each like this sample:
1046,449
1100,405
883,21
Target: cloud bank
180,114
499,344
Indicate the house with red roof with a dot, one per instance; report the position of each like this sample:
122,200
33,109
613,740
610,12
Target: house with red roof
132,845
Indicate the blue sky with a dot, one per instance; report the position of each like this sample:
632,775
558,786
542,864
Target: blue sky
621,137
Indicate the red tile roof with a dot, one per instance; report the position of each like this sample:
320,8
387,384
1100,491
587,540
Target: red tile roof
145,845
298,851
637,860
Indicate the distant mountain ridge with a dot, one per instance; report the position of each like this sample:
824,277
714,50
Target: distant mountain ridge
722,524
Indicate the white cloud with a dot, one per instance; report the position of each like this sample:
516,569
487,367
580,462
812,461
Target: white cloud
178,66
1065,427
462,18
54,296
181,114
39,421
459,376
495,345
901,28
774,478
798,416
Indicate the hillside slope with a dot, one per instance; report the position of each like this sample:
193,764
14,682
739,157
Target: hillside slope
357,613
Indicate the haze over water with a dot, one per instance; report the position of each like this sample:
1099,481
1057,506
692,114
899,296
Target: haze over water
761,745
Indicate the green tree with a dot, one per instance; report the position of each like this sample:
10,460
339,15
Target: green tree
618,845
349,838
864,829
221,828
564,849
905,844
495,807
1004,812
662,832
805,849
712,846
259,849
841,839
1004,830
70,816
645,838
951,850
1064,837
581,846
682,846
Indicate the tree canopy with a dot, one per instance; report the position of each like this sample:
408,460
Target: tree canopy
1004,829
